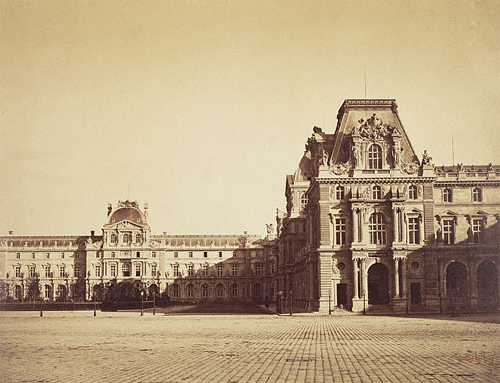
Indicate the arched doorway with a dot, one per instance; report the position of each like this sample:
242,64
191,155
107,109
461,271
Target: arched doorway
257,291
61,293
487,285
378,284
456,285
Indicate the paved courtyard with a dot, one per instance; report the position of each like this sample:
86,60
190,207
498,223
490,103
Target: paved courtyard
125,347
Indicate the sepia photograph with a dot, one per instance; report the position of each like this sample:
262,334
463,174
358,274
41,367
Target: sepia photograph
249,191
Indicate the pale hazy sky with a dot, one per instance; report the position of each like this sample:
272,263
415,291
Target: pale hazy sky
203,107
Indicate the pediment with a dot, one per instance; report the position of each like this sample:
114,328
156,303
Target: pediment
449,212
124,225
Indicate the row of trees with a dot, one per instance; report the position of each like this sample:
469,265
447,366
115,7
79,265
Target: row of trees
33,291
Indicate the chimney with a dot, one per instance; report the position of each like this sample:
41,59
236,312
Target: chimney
92,232
11,232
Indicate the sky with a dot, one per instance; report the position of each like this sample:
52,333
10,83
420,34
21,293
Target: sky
201,108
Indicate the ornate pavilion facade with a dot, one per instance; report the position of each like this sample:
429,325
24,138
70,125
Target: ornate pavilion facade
371,226
184,267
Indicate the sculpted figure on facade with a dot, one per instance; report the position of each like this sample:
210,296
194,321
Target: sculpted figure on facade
339,169
426,159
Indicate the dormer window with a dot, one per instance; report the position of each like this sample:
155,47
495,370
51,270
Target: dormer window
447,195
303,201
412,192
138,238
114,238
477,195
375,157
377,192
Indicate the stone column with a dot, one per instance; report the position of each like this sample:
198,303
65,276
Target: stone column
364,280
355,222
355,278
403,277
362,229
396,278
403,226
395,220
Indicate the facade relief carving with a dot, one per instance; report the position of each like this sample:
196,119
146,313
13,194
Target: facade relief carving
340,169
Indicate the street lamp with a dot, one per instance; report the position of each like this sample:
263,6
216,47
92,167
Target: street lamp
142,303
154,302
330,302
94,305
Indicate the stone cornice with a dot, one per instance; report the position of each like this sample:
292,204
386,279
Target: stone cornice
376,180
466,183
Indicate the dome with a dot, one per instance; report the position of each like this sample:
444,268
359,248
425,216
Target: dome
126,213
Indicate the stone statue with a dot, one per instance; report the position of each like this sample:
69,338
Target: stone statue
270,229
325,158
426,159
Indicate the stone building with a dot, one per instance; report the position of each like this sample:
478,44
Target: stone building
371,226
186,267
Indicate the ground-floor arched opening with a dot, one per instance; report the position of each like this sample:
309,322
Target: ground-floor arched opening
456,285
378,284
487,285
61,293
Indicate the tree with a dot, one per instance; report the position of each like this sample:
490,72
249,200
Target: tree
78,290
4,291
33,288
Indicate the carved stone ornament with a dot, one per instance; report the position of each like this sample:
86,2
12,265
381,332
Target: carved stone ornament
374,128
128,203
339,169
409,168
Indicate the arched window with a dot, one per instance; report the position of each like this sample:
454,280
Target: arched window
234,290
377,192
447,195
339,193
127,238
138,238
114,239
412,192
375,157
205,291
176,291
190,290
377,229
17,292
219,291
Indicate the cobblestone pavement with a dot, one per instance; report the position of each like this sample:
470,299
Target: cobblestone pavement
125,347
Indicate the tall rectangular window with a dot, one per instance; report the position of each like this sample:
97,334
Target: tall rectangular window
205,270
235,269
137,270
413,231
112,270
258,269
153,270
219,270
32,272
126,270
62,271
190,254
448,232
18,271
176,270
190,270
477,195
447,195
477,230
47,271
340,231
77,271
97,270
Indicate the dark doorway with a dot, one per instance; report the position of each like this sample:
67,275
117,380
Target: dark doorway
456,285
415,294
342,295
487,285
378,284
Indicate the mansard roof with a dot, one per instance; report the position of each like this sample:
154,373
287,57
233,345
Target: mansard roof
370,119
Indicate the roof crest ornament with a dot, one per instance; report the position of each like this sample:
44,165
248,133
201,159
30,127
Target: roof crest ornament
128,203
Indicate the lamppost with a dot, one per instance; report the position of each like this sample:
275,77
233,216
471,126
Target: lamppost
95,314
364,302
142,303
291,301
154,302
330,302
